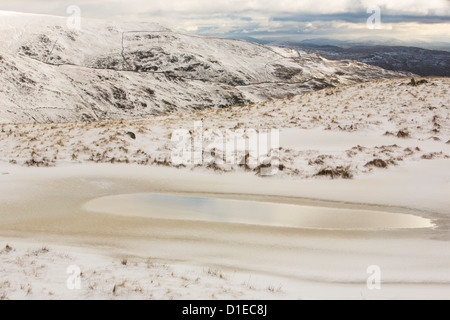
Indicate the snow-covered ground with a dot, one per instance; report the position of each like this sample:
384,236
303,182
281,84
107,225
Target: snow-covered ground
45,207
342,132
380,146
28,271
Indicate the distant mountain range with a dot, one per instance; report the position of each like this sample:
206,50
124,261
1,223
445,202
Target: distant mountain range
345,44
376,41
423,62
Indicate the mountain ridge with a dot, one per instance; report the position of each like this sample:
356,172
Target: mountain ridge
107,70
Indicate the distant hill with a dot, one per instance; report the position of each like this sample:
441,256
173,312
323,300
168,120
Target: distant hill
420,61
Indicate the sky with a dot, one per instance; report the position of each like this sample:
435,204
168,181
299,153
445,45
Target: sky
405,20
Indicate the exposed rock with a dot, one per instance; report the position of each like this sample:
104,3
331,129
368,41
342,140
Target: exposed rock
415,83
403,134
338,172
378,163
132,135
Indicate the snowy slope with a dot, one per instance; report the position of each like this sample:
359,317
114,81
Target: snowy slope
50,73
337,132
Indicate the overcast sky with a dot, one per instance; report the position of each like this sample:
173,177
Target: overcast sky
427,20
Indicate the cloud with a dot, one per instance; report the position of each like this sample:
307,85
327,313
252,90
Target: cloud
361,17
344,18
202,7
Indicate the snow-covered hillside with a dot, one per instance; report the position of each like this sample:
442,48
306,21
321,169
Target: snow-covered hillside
336,132
50,73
